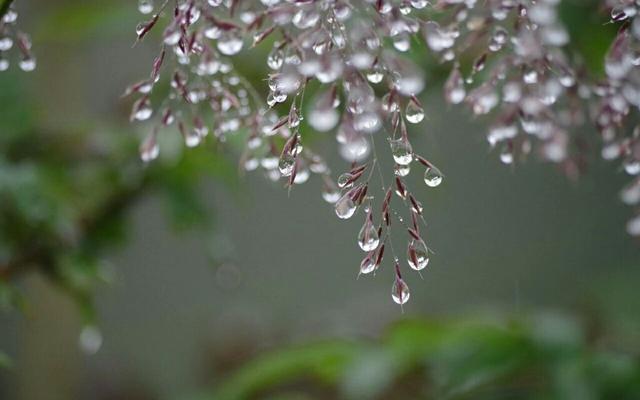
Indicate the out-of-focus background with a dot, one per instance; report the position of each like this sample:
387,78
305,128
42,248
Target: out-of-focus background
216,285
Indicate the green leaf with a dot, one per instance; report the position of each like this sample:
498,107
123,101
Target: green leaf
325,362
5,361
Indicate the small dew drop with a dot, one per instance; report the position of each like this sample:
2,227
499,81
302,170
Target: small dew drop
402,151
368,239
368,264
28,64
90,340
149,149
345,207
400,291
414,112
433,177
145,6
401,170
417,254
286,163
230,43
330,194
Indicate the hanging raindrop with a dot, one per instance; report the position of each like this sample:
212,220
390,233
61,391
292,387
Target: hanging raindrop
345,207
417,254
401,150
368,239
399,291
414,112
433,177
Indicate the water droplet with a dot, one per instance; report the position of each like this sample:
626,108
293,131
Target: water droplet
419,4
401,170
28,64
145,6
414,112
345,207
142,110
10,16
286,163
402,42
368,239
454,91
401,151
368,264
633,226
6,43
323,118
506,155
149,149
417,254
90,340
433,177
330,194
400,291
375,74
344,180
171,37
192,138
355,149
230,43
631,166
294,119
367,122
275,59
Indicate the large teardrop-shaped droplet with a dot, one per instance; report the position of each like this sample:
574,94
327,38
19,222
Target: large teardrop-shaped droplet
417,254
345,207
414,112
402,151
433,177
400,291
368,238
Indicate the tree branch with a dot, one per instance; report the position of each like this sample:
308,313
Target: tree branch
42,255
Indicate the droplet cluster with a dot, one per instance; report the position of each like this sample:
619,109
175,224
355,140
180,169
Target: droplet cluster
365,87
15,46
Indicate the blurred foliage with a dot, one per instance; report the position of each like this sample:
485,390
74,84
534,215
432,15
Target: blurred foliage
546,356
64,196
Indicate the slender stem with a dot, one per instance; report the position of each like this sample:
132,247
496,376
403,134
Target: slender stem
4,7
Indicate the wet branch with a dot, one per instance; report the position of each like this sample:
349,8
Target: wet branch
42,255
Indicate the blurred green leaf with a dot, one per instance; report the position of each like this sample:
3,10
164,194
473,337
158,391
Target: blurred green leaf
77,21
539,357
323,362
5,361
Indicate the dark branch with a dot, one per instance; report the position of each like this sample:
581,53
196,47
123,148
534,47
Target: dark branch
42,255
